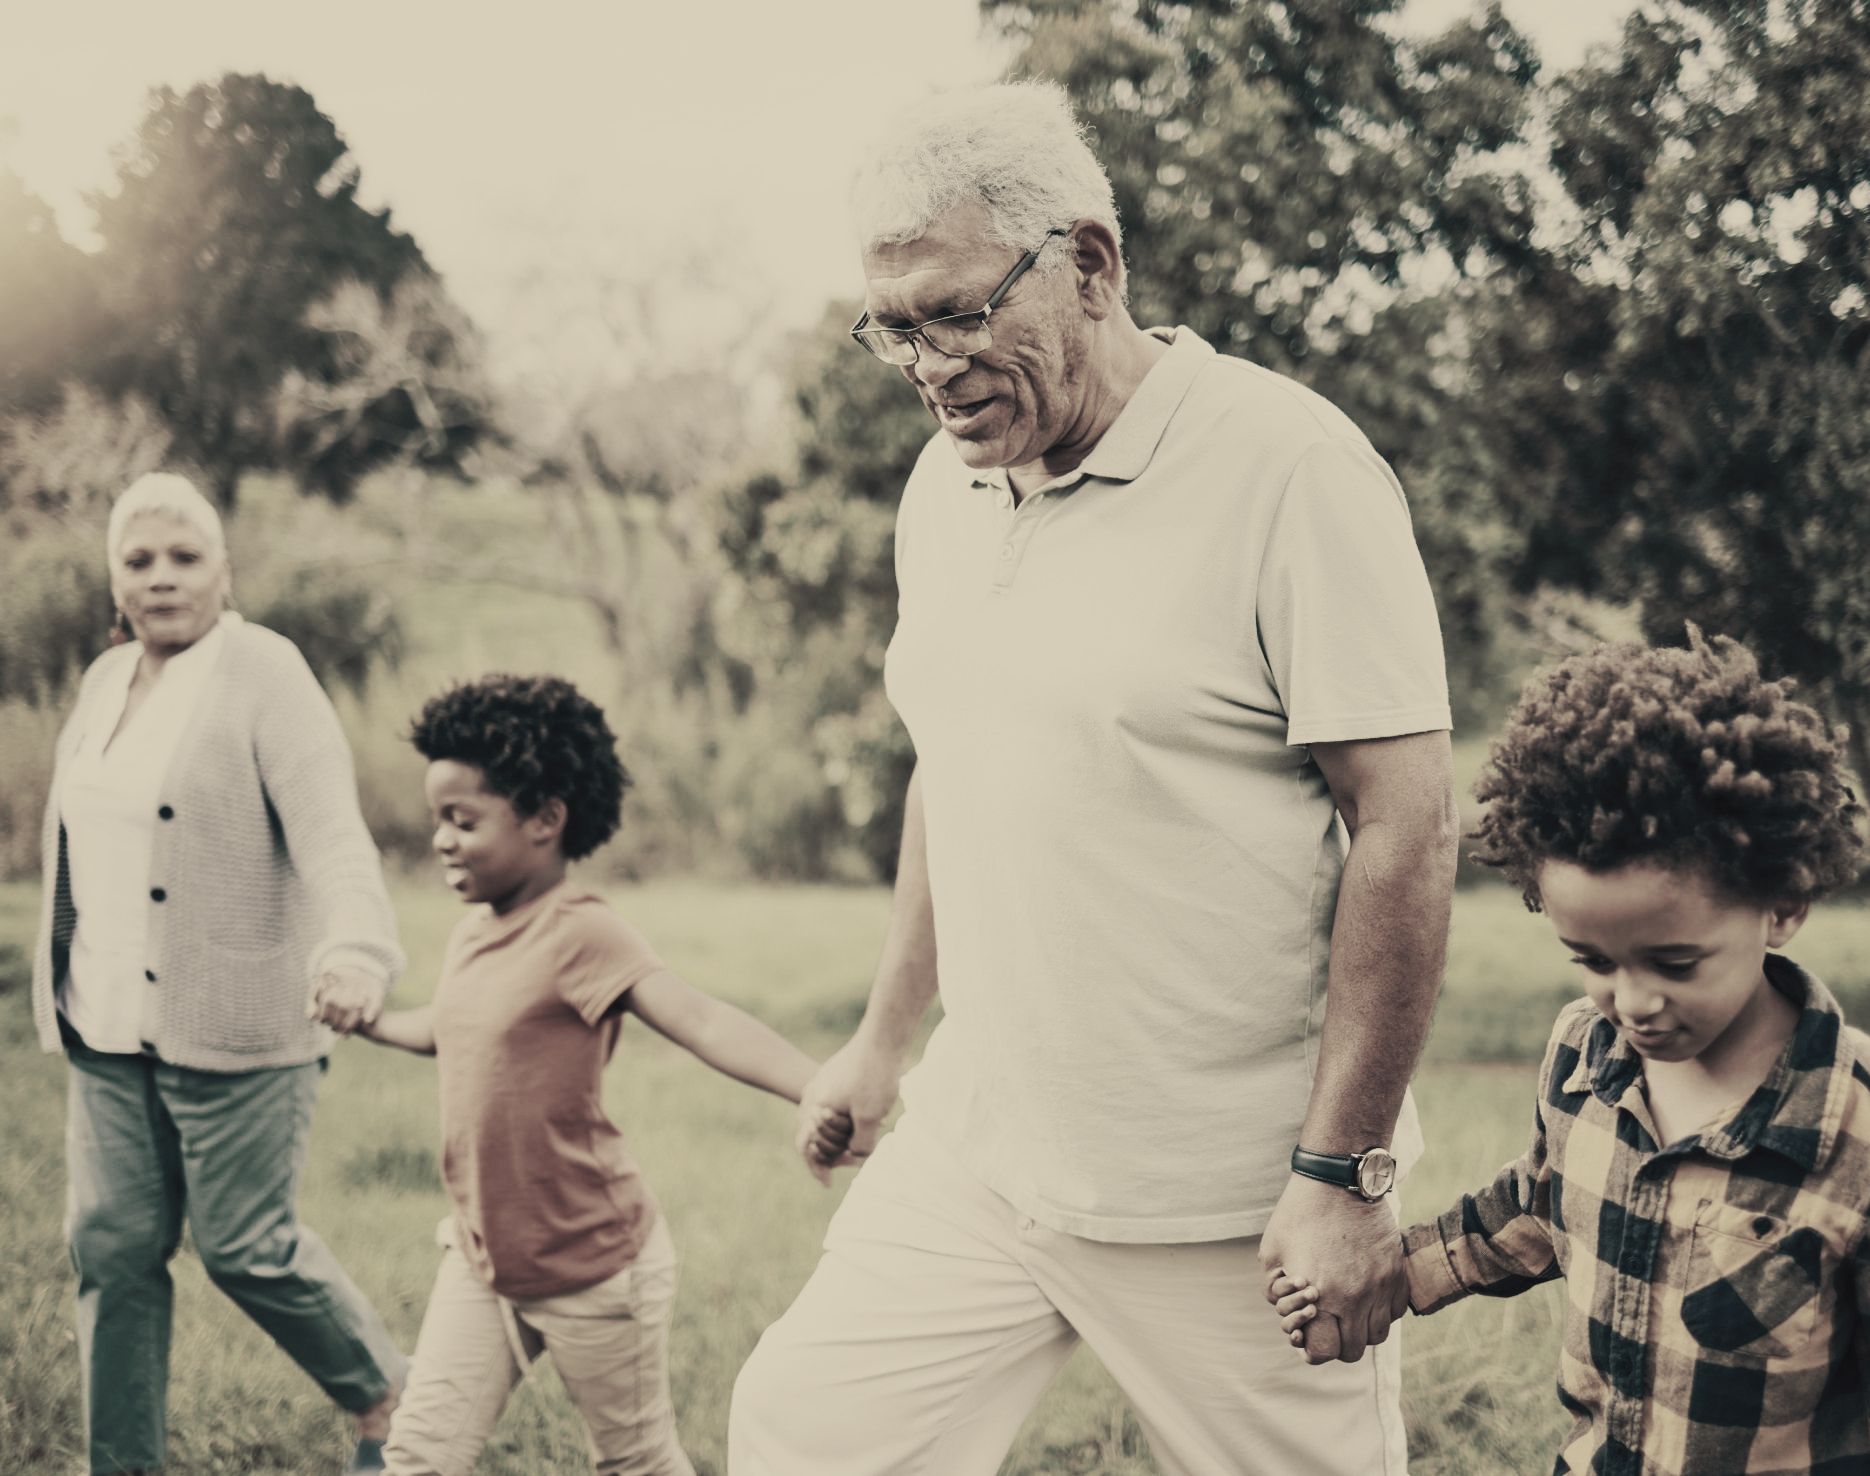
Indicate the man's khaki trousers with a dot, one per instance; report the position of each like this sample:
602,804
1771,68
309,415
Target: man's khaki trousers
938,1314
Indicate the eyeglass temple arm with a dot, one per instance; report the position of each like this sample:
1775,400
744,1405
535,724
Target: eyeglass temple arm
1025,264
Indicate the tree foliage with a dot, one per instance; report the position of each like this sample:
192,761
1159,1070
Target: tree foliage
1676,408
807,613
1274,160
46,302
233,224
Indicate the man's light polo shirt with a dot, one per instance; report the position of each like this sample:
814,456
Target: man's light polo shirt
1134,861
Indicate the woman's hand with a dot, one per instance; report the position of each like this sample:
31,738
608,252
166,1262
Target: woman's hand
345,997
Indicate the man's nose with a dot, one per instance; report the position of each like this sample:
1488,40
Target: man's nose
933,367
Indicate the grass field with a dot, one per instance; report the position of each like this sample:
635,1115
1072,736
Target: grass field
746,1218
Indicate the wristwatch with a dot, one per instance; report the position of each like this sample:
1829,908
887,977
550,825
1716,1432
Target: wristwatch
1370,1174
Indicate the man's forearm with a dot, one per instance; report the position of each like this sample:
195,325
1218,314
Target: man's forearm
1388,946
906,976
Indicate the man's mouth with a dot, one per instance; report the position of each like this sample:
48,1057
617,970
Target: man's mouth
960,415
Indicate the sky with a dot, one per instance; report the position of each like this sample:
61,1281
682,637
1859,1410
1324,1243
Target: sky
539,153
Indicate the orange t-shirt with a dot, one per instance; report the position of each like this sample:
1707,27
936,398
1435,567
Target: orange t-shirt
547,1197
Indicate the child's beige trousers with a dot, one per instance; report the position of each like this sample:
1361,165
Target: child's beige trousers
609,1342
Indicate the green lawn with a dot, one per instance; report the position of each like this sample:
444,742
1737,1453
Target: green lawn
746,1218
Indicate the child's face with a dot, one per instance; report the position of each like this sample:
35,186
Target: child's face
1674,963
489,851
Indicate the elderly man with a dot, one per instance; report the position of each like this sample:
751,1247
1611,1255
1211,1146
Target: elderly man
1171,665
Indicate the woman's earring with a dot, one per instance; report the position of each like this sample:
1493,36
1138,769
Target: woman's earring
120,629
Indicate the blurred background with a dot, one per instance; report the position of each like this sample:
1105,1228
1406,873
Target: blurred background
526,350
518,344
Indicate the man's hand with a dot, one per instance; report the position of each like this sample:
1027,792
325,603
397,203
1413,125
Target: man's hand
1351,1251
842,1110
345,997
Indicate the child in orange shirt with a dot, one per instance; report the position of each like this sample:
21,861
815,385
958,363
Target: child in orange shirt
556,1243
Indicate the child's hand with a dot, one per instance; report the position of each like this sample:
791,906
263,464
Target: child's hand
1296,1301
830,1136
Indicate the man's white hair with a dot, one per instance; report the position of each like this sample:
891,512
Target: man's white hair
1017,148
172,496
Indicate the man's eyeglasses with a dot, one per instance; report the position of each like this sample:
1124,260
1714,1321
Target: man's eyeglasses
961,335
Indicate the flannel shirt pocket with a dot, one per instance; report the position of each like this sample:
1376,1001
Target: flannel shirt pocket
1752,1282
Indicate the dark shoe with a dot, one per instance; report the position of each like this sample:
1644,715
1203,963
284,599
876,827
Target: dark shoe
367,1457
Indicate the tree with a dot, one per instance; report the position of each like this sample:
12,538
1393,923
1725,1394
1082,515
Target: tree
233,217
1681,392
399,381
1279,165
807,614
46,296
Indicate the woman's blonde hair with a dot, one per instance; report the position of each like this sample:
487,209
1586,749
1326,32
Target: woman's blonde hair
172,496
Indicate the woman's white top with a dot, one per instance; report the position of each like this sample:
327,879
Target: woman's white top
108,799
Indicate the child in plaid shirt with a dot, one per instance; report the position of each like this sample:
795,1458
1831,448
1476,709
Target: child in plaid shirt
1699,1170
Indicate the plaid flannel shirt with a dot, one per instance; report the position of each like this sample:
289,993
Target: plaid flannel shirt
1717,1308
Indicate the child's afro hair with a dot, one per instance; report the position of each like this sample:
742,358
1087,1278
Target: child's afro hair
534,738
1681,758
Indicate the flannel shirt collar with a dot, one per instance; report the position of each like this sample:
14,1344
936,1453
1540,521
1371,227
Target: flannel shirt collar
1123,453
1797,1112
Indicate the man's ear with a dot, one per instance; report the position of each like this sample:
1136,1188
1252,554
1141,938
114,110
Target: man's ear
1098,261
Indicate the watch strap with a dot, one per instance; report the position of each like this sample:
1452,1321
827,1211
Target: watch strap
1331,1168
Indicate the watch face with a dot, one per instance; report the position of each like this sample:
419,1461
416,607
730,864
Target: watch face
1376,1175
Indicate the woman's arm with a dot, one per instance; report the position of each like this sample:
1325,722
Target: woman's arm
408,1030
305,766
721,1035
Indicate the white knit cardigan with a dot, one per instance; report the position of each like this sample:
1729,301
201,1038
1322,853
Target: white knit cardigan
262,868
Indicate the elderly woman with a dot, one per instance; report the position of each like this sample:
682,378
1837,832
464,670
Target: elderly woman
213,910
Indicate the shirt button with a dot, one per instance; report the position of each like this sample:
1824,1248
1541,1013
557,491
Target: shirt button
1006,550
156,894
150,974
167,812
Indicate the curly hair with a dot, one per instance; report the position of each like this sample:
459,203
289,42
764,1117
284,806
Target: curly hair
534,738
1682,758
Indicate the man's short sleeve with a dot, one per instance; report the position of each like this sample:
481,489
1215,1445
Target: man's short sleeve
600,959
1346,617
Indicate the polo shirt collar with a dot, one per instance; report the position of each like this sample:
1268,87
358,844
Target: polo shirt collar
1797,1112
1124,451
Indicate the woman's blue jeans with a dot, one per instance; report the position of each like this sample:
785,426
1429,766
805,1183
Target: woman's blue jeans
148,1143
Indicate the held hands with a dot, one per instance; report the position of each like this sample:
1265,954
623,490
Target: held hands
1334,1270
346,998
842,1110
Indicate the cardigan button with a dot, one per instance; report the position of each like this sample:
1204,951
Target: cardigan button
156,894
167,812
150,974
